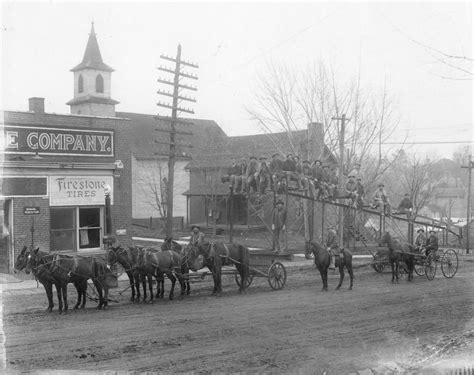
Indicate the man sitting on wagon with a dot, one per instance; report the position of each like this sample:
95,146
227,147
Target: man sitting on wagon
432,244
420,240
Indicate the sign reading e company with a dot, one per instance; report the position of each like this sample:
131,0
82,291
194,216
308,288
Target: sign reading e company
56,141
79,190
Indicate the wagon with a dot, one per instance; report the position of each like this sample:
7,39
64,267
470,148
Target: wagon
264,264
424,264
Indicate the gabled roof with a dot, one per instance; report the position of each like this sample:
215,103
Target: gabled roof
256,145
92,58
206,133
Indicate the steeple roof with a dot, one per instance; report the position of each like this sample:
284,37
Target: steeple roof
92,58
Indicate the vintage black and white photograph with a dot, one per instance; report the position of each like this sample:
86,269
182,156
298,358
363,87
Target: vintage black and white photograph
236,187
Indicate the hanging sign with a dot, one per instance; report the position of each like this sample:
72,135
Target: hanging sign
31,210
79,190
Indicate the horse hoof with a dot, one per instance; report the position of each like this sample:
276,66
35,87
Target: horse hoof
75,307
350,288
337,288
49,309
99,307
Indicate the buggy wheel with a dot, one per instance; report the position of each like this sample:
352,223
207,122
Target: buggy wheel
449,263
277,276
377,264
238,280
430,267
419,269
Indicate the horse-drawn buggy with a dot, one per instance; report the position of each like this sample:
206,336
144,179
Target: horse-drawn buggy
424,263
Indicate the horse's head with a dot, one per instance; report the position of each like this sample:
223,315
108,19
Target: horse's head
22,259
33,261
197,255
113,254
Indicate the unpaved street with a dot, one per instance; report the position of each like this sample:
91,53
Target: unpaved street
377,326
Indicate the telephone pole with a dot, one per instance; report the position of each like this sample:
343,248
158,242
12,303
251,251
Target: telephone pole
342,130
177,98
470,166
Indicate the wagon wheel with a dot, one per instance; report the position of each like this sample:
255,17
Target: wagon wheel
277,276
238,280
419,269
449,263
430,267
378,265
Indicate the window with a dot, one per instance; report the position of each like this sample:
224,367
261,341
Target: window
76,228
80,84
99,83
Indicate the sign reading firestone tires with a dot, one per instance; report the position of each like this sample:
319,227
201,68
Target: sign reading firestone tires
56,141
79,190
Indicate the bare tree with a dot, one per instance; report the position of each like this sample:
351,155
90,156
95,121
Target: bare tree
286,100
154,187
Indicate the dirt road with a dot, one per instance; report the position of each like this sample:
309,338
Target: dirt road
377,326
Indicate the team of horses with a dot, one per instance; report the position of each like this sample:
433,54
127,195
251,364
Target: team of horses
144,264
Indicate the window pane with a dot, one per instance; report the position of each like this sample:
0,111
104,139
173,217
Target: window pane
89,217
89,227
62,218
63,240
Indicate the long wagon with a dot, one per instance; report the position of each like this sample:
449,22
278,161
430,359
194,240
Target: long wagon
424,264
264,264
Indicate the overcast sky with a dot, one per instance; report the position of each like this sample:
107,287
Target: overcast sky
234,42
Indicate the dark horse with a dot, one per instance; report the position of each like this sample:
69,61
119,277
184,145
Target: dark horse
169,244
322,259
214,255
399,252
157,263
66,268
127,258
40,264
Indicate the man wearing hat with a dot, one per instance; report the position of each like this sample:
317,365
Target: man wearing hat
420,240
306,176
243,173
263,175
197,237
432,243
360,192
235,174
332,245
381,201
318,178
251,175
351,191
289,167
278,224
276,170
355,171
406,206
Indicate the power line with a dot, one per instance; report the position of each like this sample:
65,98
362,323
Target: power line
428,143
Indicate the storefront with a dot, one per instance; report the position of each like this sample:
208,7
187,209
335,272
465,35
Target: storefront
57,173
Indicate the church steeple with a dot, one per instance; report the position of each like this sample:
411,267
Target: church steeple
92,83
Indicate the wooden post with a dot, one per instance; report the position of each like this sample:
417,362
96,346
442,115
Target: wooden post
231,216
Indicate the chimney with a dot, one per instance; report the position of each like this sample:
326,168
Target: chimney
315,140
36,105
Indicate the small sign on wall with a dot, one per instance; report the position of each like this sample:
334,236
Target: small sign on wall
121,232
31,210
79,190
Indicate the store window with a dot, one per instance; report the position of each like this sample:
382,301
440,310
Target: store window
76,228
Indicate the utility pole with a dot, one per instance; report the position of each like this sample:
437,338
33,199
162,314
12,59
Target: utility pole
468,214
340,228
177,98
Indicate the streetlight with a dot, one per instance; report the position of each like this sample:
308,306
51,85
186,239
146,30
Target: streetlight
108,239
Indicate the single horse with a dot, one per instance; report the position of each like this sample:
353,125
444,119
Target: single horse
169,244
322,259
399,252
214,255
127,258
155,262
66,268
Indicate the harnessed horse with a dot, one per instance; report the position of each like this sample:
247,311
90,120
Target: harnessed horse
169,244
399,252
214,255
